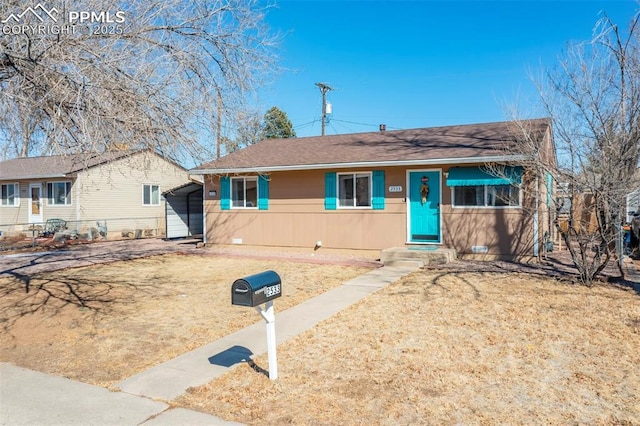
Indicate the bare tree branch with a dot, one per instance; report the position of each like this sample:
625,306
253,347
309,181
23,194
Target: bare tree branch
593,99
148,77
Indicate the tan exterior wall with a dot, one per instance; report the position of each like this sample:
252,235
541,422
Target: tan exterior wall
297,218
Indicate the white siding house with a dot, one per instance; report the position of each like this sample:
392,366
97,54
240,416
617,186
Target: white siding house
121,190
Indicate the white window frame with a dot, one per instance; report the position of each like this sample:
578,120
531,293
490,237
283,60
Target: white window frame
150,186
369,174
244,180
16,195
486,199
68,201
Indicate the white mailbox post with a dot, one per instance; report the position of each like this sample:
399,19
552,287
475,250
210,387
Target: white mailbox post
269,315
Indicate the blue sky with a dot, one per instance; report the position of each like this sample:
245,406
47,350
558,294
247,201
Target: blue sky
426,63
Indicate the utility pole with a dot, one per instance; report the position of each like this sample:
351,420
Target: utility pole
324,88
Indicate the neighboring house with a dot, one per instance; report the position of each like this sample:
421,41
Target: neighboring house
420,187
123,188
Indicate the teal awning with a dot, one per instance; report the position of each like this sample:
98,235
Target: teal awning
474,176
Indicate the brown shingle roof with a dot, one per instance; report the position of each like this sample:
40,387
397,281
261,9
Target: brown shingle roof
473,141
56,165
52,166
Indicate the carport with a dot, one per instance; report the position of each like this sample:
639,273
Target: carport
183,211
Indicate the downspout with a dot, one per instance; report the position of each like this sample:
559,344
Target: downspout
189,215
535,222
78,208
204,211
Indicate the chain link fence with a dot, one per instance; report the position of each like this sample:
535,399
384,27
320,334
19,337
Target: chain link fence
54,232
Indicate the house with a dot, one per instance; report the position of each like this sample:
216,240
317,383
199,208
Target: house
421,187
121,190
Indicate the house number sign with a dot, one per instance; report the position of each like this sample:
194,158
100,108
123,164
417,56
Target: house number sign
395,189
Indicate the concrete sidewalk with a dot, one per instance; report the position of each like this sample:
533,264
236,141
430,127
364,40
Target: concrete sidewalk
28,397
32,398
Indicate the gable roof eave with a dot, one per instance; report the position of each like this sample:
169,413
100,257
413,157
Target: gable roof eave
67,166
363,164
39,177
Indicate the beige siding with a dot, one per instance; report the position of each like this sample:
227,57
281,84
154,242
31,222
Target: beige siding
114,191
18,217
10,215
111,192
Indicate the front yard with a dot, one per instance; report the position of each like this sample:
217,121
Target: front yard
438,347
104,323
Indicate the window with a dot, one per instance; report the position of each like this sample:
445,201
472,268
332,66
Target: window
354,189
150,195
10,195
59,193
244,192
486,196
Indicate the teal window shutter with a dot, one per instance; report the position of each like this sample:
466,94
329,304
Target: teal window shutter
225,193
263,192
377,201
330,187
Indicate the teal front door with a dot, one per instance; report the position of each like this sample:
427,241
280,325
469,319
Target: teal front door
424,207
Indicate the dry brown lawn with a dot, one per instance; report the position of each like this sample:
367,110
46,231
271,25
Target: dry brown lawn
446,347
437,347
104,323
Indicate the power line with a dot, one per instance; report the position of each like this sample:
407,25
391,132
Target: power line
365,124
299,126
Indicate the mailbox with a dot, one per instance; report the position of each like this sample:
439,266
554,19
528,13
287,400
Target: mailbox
257,289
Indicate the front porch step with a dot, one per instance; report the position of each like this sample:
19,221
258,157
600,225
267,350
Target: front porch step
427,255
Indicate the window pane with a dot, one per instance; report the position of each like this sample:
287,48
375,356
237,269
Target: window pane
50,197
67,192
363,198
237,192
146,195
8,195
59,193
468,195
252,192
155,194
503,195
345,190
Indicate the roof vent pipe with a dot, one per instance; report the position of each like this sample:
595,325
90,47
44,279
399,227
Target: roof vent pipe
383,127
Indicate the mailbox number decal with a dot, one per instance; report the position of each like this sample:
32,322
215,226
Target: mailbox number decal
269,291
272,290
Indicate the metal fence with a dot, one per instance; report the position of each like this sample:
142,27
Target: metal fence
54,231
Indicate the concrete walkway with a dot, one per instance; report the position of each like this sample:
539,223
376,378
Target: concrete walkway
28,397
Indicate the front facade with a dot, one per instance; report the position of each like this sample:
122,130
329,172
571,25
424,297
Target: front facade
122,189
412,197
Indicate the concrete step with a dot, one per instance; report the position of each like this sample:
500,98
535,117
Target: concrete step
428,255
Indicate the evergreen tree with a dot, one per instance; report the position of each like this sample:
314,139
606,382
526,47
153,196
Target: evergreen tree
277,124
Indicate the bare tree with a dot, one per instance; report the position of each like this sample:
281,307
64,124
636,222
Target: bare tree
87,75
247,130
593,99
